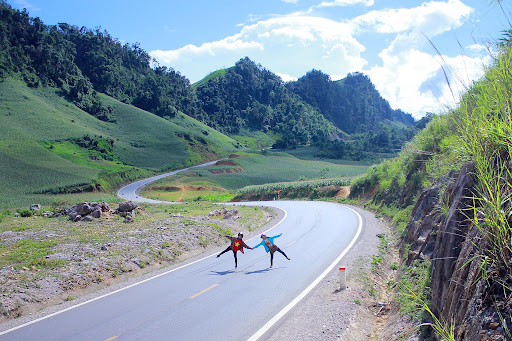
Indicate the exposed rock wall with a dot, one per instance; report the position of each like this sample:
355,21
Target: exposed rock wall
453,244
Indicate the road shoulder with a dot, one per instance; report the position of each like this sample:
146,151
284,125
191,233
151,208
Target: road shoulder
329,314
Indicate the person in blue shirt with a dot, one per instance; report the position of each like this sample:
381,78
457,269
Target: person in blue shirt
268,243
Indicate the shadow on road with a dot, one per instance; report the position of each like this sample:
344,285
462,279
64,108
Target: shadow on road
222,273
262,271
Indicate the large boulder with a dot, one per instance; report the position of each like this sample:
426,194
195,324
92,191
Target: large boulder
127,206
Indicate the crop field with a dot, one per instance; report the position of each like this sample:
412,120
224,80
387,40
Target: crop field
258,169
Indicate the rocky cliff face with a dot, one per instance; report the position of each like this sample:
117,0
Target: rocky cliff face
451,241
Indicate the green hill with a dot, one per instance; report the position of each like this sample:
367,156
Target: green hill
210,76
49,145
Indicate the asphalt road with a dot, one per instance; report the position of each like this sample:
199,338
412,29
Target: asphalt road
209,299
131,191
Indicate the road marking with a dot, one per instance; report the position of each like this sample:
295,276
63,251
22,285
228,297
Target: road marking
129,286
303,294
112,338
291,243
205,290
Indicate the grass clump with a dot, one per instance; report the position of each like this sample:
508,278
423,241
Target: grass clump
27,253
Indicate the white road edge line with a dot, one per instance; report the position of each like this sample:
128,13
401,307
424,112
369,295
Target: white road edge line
297,299
127,287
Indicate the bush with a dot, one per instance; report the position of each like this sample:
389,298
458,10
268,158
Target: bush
25,213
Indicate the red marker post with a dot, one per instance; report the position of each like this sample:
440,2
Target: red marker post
343,279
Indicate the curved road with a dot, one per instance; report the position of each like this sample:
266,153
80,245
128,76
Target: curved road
131,191
208,299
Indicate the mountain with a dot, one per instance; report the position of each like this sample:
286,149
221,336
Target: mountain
354,106
82,62
248,96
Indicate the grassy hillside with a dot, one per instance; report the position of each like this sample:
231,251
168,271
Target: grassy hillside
208,77
39,130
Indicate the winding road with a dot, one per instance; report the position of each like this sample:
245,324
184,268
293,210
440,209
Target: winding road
208,299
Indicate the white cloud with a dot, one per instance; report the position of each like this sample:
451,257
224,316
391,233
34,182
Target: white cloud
415,81
410,76
477,48
342,3
289,45
286,78
431,18
291,1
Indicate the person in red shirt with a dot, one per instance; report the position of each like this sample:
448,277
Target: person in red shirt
236,244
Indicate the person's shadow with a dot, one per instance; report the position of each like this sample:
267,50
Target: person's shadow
262,270
222,273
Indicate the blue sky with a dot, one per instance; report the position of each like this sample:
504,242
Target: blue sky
385,39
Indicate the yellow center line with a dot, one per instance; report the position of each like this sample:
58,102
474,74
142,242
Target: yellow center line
291,243
205,290
112,338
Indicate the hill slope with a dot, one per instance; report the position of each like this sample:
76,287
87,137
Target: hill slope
47,144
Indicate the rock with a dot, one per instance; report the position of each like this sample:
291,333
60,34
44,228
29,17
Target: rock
88,218
96,213
82,209
104,207
230,214
73,215
47,214
128,219
494,325
35,207
127,206
16,215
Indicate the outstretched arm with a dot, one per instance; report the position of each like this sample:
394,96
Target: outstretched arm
257,245
246,246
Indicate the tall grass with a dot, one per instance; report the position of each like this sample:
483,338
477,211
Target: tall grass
485,126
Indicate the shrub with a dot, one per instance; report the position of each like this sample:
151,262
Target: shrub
25,213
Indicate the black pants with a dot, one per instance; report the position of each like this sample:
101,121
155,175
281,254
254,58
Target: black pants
234,254
272,256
